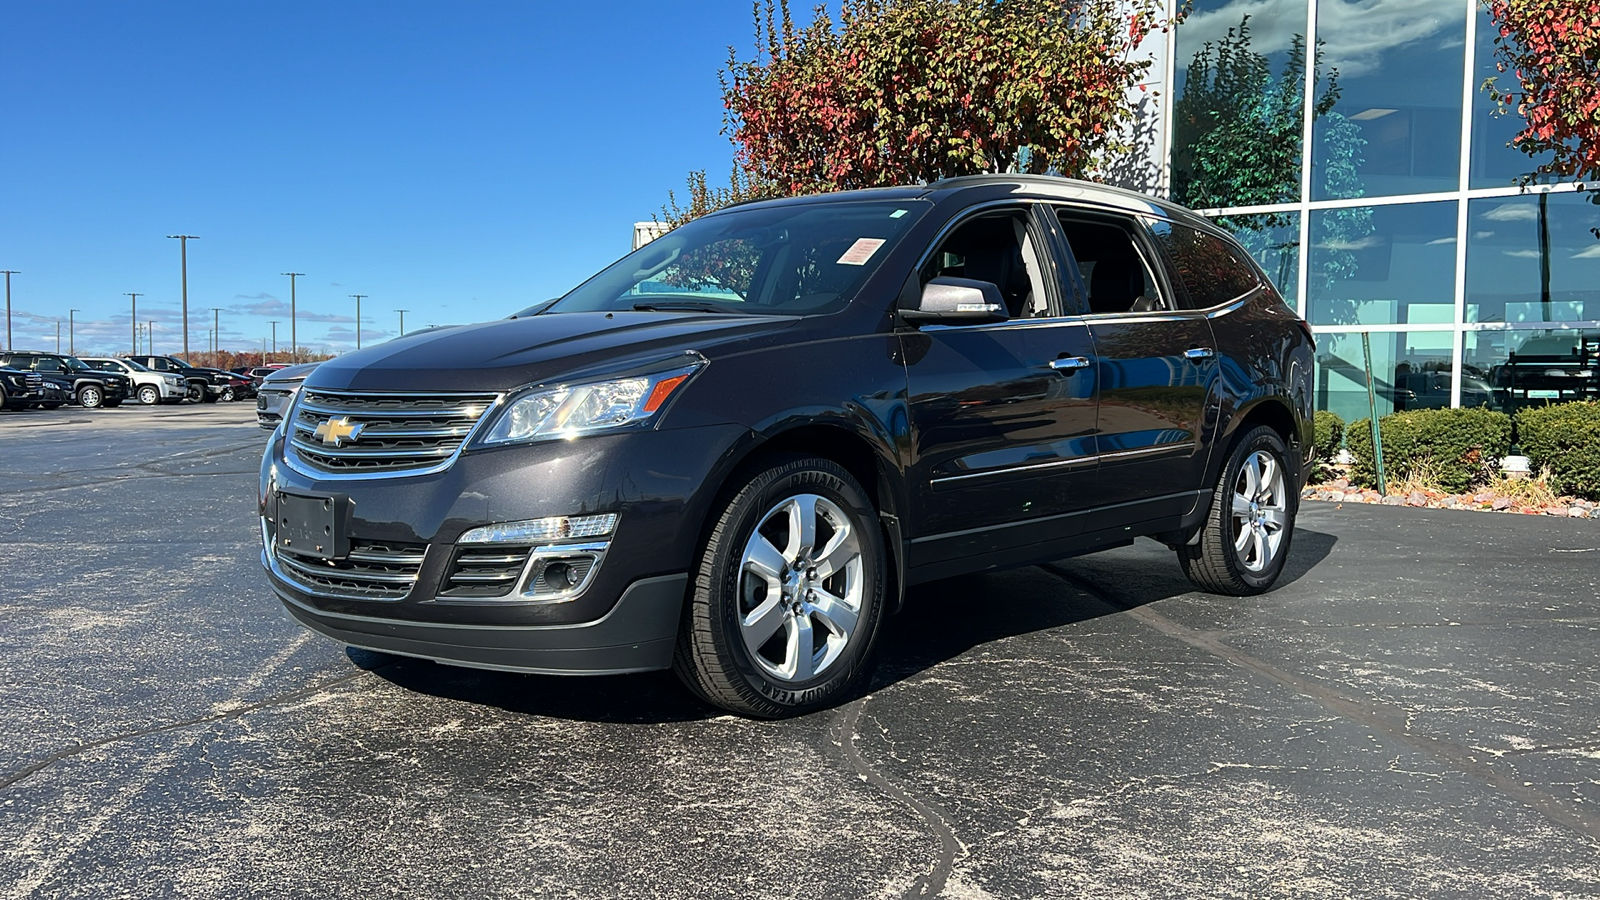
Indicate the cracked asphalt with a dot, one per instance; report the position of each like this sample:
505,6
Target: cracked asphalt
1415,712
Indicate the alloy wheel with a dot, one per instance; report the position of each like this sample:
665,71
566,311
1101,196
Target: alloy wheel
149,396
800,588
1260,511
89,397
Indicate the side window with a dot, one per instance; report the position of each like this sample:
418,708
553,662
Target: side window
1213,271
47,364
1114,272
996,248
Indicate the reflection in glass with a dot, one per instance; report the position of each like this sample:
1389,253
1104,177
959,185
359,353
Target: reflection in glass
1494,162
1410,370
1534,258
1519,368
1383,265
1238,118
1274,240
1396,127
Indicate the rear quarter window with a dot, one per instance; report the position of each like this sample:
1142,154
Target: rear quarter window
1212,270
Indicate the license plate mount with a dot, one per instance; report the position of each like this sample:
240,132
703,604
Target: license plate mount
311,526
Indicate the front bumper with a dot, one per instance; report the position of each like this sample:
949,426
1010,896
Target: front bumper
624,618
637,635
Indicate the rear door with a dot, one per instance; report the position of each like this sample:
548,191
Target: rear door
1157,369
1002,414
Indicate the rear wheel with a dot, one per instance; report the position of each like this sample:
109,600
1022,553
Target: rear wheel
89,396
227,394
788,593
1246,536
149,395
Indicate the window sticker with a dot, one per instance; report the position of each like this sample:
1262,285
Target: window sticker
897,214
860,251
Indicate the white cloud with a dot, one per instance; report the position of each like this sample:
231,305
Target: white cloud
1448,240
1512,212
1357,32
1522,254
1362,244
1590,252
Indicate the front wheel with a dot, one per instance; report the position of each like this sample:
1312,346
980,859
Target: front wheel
195,391
89,397
1245,539
149,395
227,394
788,592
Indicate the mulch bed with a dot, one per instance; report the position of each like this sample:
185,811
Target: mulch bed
1340,490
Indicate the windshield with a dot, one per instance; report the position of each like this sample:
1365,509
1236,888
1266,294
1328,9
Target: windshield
76,364
133,365
790,260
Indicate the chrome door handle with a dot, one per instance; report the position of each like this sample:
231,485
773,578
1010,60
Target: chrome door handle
1069,364
1195,354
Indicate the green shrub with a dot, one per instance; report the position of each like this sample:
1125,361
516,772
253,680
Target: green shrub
1330,430
1455,447
1565,437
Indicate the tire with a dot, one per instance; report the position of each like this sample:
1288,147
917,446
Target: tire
227,394
90,397
149,395
1253,505
740,644
195,391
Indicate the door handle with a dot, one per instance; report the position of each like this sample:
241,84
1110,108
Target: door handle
1069,364
1196,354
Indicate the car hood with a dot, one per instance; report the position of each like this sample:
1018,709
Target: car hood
509,353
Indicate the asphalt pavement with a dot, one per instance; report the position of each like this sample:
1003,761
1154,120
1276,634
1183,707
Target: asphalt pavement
1414,712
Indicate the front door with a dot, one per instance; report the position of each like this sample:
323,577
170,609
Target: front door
1002,414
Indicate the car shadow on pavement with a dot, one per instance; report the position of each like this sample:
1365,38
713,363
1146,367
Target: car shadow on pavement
941,621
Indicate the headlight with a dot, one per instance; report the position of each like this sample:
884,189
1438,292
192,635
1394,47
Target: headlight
568,411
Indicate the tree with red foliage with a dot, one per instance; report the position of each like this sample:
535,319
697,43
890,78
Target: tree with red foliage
911,91
1552,49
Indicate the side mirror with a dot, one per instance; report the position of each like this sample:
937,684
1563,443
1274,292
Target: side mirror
957,301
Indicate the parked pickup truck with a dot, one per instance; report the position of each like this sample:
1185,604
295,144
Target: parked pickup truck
88,387
149,388
201,386
20,389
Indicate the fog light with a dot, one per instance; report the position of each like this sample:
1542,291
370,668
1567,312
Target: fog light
554,528
561,574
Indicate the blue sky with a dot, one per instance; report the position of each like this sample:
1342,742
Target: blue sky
459,160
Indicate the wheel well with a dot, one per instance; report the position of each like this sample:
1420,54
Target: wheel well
858,458
1274,415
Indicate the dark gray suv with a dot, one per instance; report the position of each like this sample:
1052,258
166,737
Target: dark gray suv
732,451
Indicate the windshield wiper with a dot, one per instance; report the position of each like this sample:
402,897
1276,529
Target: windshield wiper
683,306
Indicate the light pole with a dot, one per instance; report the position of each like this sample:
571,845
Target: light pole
58,337
402,313
72,332
150,336
216,330
133,318
183,251
294,338
358,317
274,338
9,273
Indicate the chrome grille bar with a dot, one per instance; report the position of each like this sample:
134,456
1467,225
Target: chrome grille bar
377,434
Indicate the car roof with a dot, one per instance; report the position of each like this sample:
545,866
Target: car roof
1037,187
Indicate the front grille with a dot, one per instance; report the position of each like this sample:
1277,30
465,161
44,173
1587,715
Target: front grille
370,571
397,433
487,571
33,381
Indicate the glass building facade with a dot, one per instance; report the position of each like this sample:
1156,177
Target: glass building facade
1372,179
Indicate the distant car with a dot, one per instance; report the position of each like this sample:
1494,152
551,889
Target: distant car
149,388
231,386
201,387
1566,364
277,391
20,389
89,388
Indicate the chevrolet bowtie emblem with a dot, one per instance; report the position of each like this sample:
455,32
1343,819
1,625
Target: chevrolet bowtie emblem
336,431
